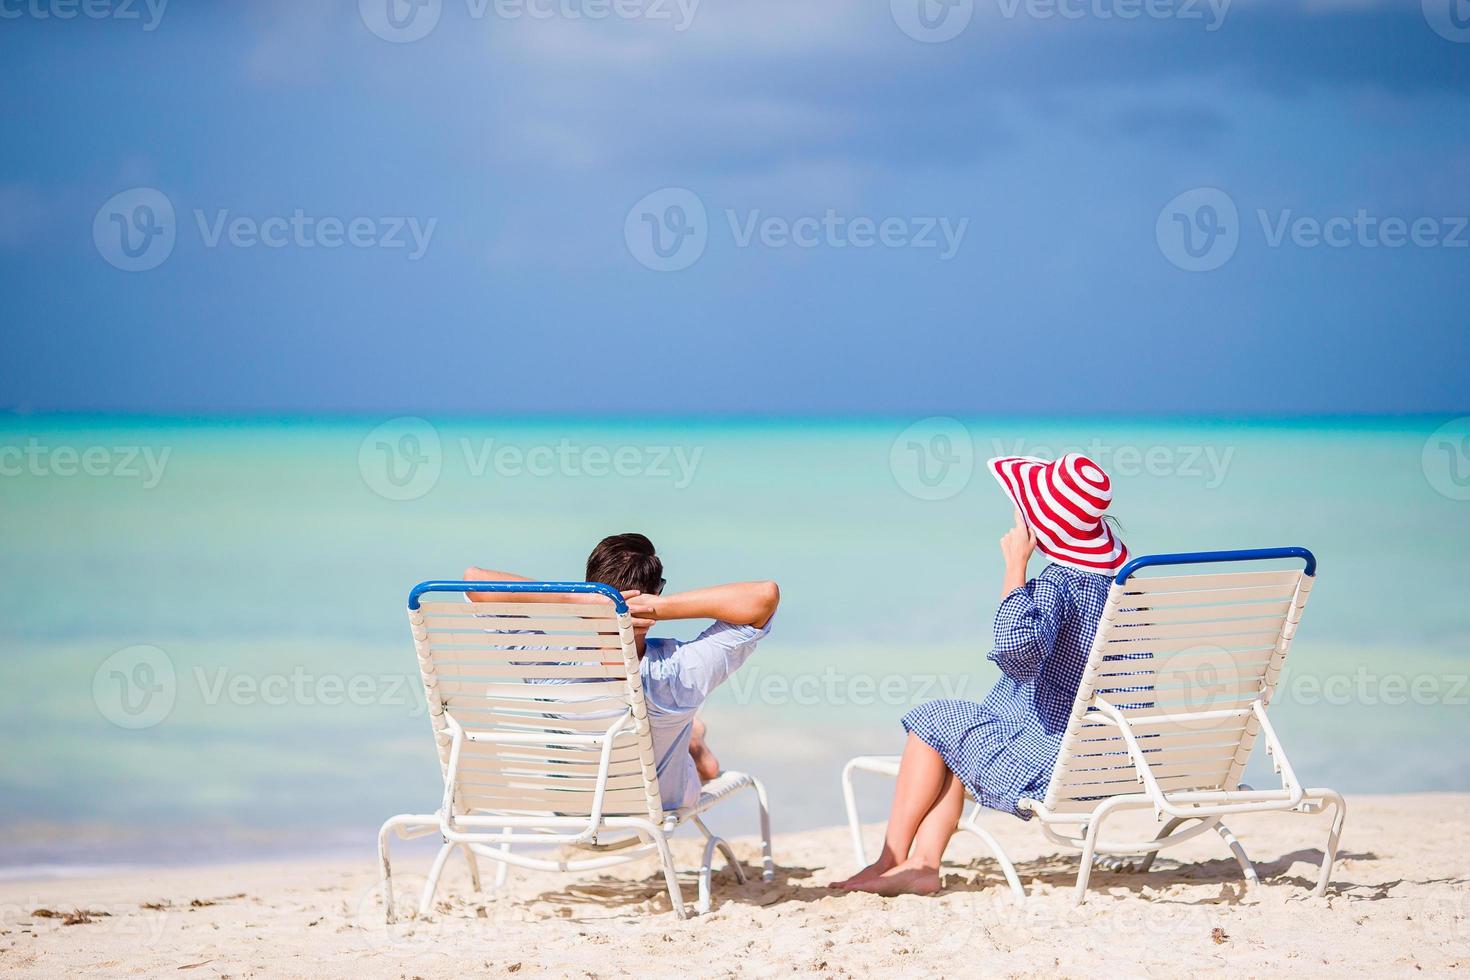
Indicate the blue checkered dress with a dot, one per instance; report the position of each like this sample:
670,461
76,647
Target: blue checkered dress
1005,748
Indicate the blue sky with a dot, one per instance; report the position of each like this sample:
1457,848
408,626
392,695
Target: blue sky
1004,221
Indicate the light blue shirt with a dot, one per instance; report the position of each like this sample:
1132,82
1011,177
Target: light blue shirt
678,676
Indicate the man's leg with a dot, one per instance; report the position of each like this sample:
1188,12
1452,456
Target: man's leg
705,762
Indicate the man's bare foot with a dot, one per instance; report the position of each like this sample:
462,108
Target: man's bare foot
906,879
705,763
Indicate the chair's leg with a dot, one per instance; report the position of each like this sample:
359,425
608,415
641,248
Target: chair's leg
972,825
1249,869
502,871
400,824
469,859
768,863
1169,828
385,869
706,869
435,870
671,876
1334,835
853,825
1089,849
712,841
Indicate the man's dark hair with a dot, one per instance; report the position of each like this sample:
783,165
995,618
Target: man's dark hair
626,561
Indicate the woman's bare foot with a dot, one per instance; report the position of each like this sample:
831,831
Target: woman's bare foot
905,879
870,873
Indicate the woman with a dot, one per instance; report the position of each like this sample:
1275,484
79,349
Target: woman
1004,749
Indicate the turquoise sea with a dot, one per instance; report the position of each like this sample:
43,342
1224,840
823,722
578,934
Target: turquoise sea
204,654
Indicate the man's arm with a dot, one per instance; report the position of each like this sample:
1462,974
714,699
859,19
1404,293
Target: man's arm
476,574
741,603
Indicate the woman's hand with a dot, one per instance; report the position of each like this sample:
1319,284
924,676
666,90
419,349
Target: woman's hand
1016,547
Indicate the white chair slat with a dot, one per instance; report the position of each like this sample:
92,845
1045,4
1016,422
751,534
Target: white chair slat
1189,658
1182,739
532,671
1235,628
1213,613
1232,644
549,770
1220,597
515,642
501,720
469,683
1142,584
581,610
548,755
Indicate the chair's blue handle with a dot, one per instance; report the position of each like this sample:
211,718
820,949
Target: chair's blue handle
579,587
1205,557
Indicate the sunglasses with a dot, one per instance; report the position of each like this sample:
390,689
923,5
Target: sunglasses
661,583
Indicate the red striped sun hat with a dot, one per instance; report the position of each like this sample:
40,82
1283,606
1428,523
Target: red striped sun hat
1063,503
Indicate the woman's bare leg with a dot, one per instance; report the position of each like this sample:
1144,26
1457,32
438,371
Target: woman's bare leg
922,776
919,873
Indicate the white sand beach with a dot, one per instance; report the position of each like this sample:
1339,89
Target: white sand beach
1399,905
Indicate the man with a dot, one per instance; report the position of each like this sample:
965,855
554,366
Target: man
678,675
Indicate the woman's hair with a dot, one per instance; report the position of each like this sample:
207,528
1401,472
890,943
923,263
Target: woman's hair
626,561
1113,523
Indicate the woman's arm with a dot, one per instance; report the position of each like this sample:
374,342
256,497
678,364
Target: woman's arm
1030,613
741,603
1016,547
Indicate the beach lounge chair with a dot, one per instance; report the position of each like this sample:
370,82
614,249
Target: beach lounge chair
1172,700
539,718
